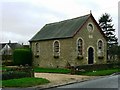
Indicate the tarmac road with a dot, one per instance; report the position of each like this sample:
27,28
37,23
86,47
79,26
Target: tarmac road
106,83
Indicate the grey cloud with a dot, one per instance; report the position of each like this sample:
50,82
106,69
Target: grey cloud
21,20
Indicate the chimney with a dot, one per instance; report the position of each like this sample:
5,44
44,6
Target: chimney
9,41
90,11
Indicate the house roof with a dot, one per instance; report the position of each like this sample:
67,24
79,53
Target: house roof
11,45
63,29
6,48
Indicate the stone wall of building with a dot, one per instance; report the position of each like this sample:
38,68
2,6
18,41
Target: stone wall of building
68,49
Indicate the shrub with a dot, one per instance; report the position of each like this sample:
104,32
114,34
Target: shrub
6,57
14,75
17,72
22,56
8,63
97,67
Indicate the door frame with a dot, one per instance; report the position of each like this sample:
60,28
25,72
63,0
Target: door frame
93,54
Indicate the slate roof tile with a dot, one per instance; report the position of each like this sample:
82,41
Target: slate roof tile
62,29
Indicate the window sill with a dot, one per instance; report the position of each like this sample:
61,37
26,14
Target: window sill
56,57
36,56
79,57
100,57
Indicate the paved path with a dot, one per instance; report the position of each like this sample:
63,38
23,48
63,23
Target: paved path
59,79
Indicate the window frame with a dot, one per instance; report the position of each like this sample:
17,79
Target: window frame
100,45
37,49
90,23
80,46
100,48
56,48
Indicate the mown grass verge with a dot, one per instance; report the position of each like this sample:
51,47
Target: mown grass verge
67,71
52,70
24,82
99,72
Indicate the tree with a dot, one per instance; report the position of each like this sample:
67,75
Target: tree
105,22
22,57
114,52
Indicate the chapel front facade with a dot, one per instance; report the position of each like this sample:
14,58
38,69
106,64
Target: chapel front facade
83,46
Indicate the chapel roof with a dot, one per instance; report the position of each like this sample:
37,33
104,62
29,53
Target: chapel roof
63,29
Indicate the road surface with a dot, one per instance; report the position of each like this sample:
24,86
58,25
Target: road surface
106,83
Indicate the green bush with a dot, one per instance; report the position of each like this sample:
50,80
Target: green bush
22,56
8,63
98,67
17,72
14,75
6,57
99,72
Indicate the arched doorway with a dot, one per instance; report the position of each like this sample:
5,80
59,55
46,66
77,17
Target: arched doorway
90,55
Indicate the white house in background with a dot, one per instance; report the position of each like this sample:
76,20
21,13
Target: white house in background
6,49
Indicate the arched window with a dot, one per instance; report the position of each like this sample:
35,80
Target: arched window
37,48
100,45
100,48
56,48
90,27
80,47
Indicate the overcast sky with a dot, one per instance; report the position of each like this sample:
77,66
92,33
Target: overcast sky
20,20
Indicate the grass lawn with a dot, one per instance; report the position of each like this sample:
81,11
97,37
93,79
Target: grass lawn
100,72
24,82
66,71
52,70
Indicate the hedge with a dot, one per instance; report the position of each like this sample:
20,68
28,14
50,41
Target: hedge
17,72
22,56
97,67
14,75
8,63
6,57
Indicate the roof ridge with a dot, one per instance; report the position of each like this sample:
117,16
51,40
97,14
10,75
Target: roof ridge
10,43
68,19
61,29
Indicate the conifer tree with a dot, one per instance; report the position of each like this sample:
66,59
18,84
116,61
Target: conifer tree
105,22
